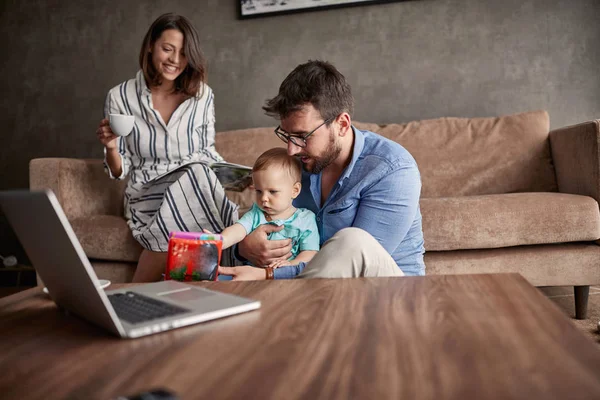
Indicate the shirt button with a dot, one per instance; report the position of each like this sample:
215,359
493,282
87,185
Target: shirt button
318,218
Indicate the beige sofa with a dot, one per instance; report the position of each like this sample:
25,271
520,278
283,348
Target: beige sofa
499,195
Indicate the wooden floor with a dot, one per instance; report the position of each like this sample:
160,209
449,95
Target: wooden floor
563,297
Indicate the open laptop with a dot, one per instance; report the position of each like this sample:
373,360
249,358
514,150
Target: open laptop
44,231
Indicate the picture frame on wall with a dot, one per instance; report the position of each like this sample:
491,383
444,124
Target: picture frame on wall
262,8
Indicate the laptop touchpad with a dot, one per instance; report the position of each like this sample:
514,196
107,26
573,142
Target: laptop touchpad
189,295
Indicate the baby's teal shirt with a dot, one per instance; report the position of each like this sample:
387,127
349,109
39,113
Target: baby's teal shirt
301,227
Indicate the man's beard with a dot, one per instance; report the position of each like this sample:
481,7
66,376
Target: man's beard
332,152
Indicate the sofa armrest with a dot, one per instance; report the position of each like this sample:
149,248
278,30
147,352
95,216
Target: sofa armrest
80,185
576,155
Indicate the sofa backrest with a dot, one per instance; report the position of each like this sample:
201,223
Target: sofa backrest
243,146
81,186
456,156
477,156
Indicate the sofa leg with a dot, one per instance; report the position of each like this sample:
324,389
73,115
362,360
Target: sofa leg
581,301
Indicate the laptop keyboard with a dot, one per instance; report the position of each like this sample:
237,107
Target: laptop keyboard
136,308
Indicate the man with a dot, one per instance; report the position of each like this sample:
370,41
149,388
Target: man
352,179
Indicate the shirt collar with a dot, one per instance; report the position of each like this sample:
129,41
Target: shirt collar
359,145
141,84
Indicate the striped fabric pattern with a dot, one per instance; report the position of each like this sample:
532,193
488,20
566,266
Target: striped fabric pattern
170,187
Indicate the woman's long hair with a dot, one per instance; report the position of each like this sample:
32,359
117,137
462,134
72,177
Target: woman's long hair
191,79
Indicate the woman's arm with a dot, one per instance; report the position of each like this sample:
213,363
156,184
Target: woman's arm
111,152
116,154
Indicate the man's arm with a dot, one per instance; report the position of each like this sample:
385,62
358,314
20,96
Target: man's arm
388,208
288,271
248,273
303,256
261,251
308,242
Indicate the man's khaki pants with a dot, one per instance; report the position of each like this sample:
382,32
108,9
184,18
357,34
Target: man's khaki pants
351,253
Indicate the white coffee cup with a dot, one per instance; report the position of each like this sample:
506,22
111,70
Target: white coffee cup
120,124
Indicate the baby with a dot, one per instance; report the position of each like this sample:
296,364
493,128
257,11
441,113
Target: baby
276,178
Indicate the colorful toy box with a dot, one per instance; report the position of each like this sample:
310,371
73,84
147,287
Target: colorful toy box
193,256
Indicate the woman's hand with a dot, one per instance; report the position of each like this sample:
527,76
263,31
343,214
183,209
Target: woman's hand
106,135
261,251
244,273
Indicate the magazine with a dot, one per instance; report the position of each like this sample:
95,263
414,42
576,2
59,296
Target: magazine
233,177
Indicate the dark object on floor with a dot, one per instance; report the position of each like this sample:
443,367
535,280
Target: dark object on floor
157,394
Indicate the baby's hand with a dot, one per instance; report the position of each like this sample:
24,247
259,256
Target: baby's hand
279,263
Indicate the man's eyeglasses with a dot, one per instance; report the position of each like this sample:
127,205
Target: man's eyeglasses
300,140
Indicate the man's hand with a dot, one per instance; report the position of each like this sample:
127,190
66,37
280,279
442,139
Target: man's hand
261,251
244,273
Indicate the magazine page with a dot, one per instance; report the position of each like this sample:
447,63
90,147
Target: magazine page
233,177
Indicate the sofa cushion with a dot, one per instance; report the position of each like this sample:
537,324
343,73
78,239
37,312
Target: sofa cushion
106,237
493,221
572,264
477,156
114,271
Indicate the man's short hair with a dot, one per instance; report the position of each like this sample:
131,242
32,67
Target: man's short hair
317,83
278,157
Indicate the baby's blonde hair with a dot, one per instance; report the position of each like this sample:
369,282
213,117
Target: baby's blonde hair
279,157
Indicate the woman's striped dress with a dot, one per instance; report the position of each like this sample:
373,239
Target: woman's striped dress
170,187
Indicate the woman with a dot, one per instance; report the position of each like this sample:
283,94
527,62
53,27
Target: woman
170,187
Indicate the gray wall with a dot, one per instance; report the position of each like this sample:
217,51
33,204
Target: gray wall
405,61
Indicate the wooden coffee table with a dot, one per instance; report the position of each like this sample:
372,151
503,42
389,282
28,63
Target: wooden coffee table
436,337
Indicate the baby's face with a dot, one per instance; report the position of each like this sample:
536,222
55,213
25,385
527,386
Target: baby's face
275,190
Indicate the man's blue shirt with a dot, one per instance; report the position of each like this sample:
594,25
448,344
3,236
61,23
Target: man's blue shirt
378,192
